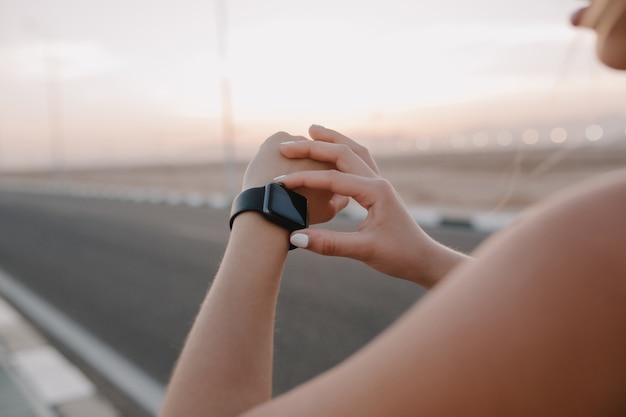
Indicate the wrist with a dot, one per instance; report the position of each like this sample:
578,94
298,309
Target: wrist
251,231
277,204
441,260
255,254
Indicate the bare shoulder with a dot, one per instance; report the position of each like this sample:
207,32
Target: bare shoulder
610,187
598,201
586,224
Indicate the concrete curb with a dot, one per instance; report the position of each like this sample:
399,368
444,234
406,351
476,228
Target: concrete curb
431,217
124,375
44,382
427,216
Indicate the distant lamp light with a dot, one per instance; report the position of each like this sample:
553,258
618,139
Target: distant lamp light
458,141
594,133
404,145
530,136
558,135
504,138
480,139
423,143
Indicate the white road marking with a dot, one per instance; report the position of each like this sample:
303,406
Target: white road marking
122,373
53,378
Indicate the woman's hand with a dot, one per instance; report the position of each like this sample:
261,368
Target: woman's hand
389,240
269,163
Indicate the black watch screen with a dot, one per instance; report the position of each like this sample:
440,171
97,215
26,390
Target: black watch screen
285,207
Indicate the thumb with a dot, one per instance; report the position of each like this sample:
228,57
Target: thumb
339,202
325,242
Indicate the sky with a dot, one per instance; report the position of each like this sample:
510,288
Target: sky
86,83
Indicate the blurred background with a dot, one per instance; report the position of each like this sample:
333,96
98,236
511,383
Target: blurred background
133,84
125,127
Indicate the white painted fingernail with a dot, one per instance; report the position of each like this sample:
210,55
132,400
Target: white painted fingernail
289,142
300,240
280,177
319,126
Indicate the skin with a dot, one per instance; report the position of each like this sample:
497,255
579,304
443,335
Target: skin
323,204
393,244
532,326
607,18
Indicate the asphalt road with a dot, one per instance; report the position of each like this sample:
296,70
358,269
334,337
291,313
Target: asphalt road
134,275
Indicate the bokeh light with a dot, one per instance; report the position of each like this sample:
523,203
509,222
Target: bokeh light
594,133
458,141
504,138
530,136
558,135
404,145
480,139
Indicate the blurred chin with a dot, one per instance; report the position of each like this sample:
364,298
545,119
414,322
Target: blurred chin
612,52
613,61
608,19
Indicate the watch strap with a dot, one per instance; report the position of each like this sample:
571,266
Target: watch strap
248,200
251,199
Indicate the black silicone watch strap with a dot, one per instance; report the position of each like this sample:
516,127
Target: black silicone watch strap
248,200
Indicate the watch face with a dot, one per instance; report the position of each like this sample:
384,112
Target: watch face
285,207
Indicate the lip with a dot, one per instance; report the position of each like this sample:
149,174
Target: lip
577,17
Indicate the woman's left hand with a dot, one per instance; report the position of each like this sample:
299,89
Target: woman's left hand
268,164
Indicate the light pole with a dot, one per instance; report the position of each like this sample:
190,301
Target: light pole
227,119
55,116
1,149
51,67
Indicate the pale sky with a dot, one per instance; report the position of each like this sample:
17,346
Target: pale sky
140,80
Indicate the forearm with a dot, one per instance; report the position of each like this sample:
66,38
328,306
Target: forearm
441,261
226,365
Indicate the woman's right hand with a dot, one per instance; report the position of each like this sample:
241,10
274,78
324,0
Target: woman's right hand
389,240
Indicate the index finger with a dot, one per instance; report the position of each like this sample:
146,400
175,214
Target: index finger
320,133
350,185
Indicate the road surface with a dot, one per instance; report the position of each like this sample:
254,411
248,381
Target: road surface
134,274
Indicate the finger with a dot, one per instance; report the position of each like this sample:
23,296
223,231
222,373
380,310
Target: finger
338,202
277,138
327,242
320,133
340,155
365,190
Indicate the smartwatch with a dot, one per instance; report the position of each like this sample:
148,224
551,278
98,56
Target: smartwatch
276,203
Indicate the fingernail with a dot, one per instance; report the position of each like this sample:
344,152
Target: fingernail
318,126
280,177
300,240
289,142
